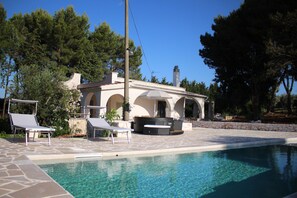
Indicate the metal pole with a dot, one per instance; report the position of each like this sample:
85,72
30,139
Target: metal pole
126,84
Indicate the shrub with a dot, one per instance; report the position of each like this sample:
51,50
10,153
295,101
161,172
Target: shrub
5,126
111,116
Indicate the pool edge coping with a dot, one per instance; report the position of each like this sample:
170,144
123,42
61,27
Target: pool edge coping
176,150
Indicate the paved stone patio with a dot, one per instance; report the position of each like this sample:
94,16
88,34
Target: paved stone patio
21,177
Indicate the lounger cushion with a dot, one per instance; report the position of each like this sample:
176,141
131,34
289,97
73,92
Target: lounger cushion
102,124
27,122
35,128
23,119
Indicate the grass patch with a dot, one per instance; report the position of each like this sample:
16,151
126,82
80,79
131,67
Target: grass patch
5,135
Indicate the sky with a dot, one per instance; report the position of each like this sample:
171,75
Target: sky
169,30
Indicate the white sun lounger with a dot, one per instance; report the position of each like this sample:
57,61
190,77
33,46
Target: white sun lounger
101,124
27,123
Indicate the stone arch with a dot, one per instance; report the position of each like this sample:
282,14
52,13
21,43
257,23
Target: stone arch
193,109
91,99
115,102
142,107
179,110
169,107
145,107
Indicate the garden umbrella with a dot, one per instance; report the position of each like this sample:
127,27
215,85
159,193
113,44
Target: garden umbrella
155,95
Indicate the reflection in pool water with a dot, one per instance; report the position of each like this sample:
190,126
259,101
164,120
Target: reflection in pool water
251,172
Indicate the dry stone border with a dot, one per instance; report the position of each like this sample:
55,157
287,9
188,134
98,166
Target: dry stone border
246,126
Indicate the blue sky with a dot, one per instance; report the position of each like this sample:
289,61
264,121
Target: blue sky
169,29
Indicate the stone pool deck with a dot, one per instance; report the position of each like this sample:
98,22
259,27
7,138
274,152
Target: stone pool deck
21,177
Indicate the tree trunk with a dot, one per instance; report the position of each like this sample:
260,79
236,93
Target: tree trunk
255,102
289,103
256,106
288,84
5,93
271,102
6,87
5,96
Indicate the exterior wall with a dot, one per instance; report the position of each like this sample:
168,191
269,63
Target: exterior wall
78,126
178,111
187,126
112,95
200,103
84,102
142,107
73,82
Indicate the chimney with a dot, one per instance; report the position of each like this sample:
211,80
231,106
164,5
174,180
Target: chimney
111,78
73,82
176,78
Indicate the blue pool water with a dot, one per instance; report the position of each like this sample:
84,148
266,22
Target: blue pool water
269,171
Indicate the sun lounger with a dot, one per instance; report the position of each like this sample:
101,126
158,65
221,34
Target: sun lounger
27,123
101,124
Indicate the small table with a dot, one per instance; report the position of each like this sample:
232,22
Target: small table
156,129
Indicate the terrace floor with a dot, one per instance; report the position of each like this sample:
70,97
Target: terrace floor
21,177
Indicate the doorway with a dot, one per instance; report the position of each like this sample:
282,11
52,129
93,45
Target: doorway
161,109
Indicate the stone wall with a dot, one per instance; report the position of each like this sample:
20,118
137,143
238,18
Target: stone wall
78,126
246,126
187,126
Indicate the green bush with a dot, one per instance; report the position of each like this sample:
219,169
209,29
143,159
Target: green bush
60,123
111,116
61,128
5,126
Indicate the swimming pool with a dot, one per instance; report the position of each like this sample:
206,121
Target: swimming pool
269,171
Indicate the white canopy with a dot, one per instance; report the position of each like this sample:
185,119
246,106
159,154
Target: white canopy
94,107
156,95
22,101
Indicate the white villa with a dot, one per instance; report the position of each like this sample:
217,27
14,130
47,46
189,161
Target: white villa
109,93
